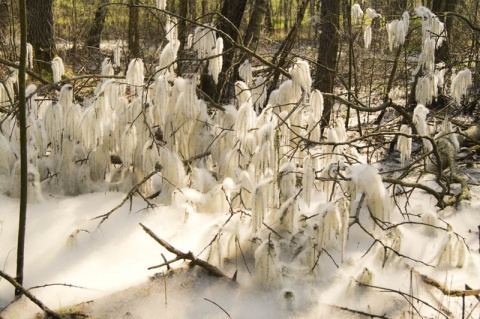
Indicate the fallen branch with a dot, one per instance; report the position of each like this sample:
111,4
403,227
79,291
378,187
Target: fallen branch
130,194
448,292
27,294
185,256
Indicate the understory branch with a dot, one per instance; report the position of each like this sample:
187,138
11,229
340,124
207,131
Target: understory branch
185,256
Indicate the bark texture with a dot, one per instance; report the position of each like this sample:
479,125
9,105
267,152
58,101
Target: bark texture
40,32
327,53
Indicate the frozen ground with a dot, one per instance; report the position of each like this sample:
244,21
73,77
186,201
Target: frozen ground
108,263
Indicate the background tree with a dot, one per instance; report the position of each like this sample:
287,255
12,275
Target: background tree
95,33
230,21
327,53
133,30
22,117
41,32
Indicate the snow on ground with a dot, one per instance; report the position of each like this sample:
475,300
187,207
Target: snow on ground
109,262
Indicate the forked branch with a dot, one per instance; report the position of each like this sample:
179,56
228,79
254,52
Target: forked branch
185,256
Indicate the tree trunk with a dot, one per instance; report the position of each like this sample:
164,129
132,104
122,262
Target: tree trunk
96,29
4,21
40,32
22,119
133,32
268,18
327,53
231,18
255,25
439,7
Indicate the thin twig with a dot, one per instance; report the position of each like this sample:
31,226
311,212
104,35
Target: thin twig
216,304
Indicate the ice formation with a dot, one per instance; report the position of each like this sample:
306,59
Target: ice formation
460,83
365,179
396,30
404,143
58,69
356,12
300,73
161,4
372,14
245,71
216,62
367,37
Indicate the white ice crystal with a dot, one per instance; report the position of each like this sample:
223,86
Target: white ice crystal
161,4
117,53
58,69
135,72
171,29
367,37
243,93
168,56
216,62
460,83
366,179
29,56
259,94
356,12
300,73
288,95
406,21
404,143
372,14
107,68
308,179
329,223
266,265
432,27
316,103
245,71
420,119
396,30
203,42
426,89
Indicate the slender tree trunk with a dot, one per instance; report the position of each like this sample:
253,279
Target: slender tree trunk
268,18
439,7
95,34
232,15
255,25
192,8
327,53
22,117
40,32
133,31
4,21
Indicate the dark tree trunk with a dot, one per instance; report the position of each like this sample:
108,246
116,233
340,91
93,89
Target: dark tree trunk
133,31
232,15
22,118
96,29
268,17
255,26
327,53
4,21
40,32
439,7
192,8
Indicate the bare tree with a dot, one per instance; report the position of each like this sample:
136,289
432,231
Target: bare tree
327,53
133,30
40,32
95,33
22,117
